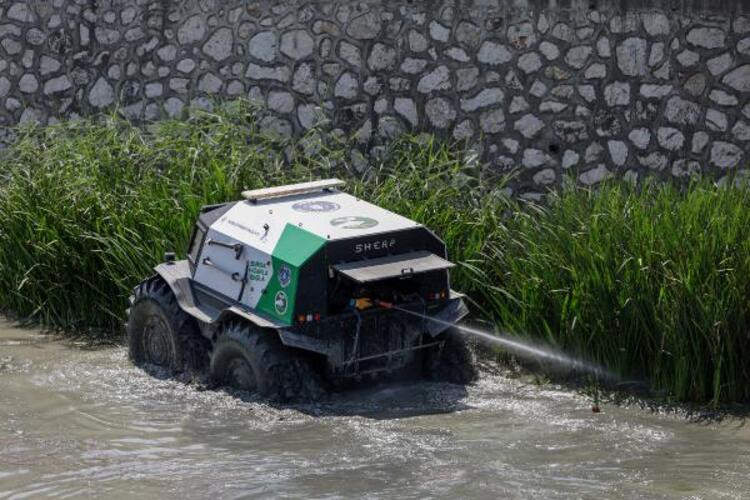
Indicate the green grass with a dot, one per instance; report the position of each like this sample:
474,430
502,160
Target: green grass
651,282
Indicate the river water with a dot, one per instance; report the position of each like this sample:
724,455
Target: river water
77,421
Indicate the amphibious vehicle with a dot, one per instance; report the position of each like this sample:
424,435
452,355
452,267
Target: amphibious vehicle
300,287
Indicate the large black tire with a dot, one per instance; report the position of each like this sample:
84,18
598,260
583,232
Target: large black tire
455,362
162,335
250,359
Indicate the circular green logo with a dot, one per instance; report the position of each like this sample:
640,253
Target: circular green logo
316,206
284,275
280,302
353,222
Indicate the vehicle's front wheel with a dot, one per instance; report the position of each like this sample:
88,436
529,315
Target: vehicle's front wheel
254,360
160,333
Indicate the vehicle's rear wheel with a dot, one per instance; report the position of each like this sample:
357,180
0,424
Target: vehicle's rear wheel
455,362
160,333
254,360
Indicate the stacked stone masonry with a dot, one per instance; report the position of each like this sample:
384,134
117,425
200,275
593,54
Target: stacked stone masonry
545,88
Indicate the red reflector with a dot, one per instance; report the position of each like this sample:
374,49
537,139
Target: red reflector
317,316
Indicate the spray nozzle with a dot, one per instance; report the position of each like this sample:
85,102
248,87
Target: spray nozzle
361,303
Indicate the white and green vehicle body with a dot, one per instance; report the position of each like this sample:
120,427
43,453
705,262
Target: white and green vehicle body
299,260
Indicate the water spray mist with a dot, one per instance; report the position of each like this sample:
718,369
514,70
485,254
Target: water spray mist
517,347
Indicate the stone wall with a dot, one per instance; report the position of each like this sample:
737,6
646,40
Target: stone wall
547,86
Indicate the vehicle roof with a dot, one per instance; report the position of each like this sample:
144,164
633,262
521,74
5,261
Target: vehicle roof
331,215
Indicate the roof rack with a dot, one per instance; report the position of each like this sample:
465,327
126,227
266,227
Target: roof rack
290,189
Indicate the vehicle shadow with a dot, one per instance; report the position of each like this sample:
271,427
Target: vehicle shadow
384,401
380,400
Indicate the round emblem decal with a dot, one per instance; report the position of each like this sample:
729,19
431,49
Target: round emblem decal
316,206
280,302
284,275
353,222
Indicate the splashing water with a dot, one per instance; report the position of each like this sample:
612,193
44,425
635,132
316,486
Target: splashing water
523,349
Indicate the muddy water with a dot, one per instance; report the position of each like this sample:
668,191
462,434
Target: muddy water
77,422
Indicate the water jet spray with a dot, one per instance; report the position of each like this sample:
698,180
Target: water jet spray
517,347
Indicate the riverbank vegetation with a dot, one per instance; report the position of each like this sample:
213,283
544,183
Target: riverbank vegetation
652,282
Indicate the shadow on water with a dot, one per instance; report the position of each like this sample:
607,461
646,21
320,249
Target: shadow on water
378,400
382,401
691,412
77,336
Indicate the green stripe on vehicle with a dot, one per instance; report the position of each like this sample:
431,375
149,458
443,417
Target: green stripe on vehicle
294,247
